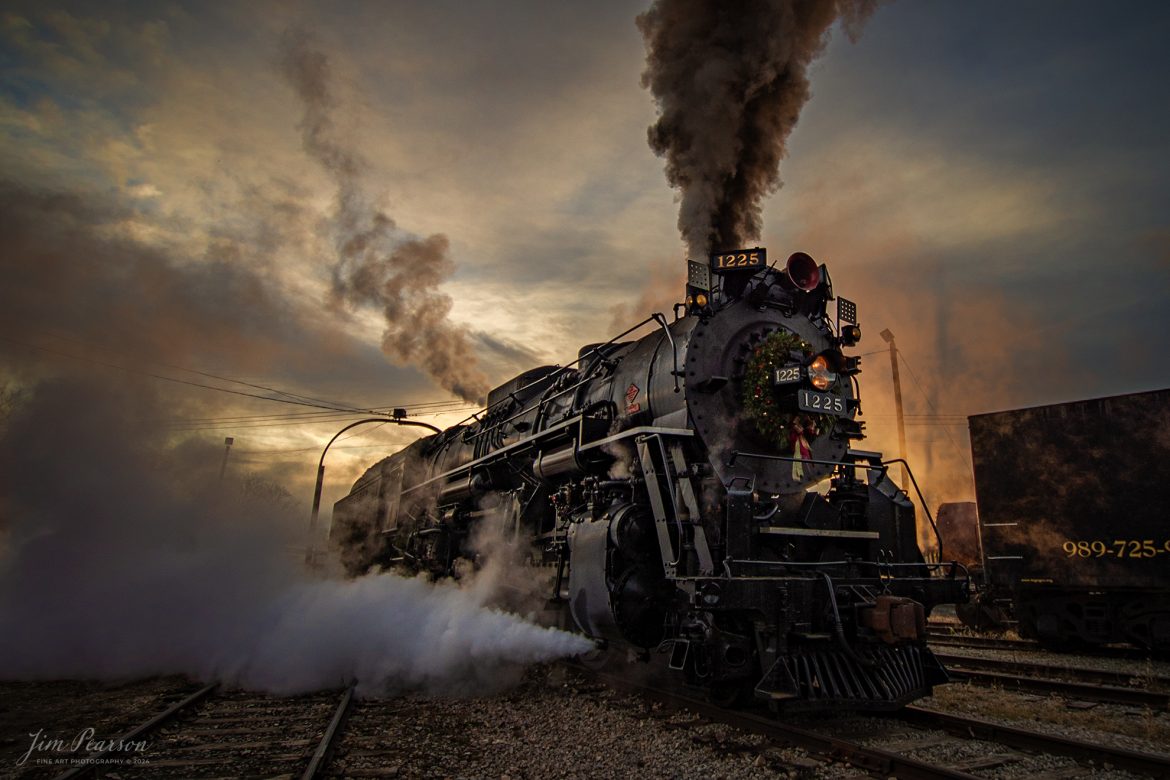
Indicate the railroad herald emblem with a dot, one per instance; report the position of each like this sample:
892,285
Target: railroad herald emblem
632,393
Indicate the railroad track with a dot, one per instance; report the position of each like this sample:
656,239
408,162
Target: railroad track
987,747
211,731
948,635
1094,755
1083,684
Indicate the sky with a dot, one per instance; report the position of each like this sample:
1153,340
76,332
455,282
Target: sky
988,181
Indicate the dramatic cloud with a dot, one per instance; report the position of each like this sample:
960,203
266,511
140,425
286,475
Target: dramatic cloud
377,264
968,183
72,265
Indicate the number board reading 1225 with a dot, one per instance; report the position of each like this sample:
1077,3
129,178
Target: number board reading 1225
739,260
825,403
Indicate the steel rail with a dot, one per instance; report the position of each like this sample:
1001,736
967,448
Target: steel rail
1055,671
1107,694
325,747
951,639
976,728
90,762
830,748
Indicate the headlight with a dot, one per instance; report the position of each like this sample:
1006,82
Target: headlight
819,374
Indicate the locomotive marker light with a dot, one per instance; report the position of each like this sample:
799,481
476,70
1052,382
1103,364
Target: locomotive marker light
849,334
698,286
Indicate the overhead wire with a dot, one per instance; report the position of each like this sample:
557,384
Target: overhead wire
206,374
420,408
140,372
293,420
331,408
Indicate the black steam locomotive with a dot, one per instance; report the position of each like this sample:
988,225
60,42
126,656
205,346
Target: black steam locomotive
666,485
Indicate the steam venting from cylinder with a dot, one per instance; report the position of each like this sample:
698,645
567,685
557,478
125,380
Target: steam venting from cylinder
730,79
377,263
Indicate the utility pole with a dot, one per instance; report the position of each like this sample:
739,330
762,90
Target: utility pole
889,339
226,450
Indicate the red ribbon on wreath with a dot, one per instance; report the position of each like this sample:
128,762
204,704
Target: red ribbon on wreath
801,449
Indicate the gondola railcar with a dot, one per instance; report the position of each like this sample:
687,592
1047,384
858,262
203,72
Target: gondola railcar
1074,521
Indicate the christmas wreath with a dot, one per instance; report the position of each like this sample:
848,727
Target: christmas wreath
782,428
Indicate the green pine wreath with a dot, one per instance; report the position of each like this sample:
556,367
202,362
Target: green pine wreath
759,397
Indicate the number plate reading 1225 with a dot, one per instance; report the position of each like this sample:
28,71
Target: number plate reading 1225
786,375
825,403
739,259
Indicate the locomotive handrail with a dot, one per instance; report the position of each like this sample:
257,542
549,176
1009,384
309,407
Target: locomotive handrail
656,317
529,440
736,454
660,318
882,466
525,410
925,508
952,567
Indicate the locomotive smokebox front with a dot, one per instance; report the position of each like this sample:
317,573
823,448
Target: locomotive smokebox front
755,385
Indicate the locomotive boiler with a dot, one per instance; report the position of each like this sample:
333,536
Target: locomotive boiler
694,491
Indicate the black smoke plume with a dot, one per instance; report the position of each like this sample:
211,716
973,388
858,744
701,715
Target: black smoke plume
377,263
730,79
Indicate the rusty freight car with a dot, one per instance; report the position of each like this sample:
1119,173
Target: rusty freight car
1074,518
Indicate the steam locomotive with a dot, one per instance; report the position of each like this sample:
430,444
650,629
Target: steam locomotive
693,492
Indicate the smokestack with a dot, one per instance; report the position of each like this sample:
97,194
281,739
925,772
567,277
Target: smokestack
377,263
730,79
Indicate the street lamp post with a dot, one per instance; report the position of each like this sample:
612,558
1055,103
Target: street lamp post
397,419
227,448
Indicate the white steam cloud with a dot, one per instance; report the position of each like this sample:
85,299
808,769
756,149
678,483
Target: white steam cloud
124,557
